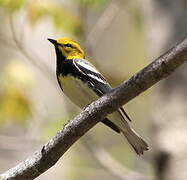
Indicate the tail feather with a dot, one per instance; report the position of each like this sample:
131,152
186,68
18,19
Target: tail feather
137,142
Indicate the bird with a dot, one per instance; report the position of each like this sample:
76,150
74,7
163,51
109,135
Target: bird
82,83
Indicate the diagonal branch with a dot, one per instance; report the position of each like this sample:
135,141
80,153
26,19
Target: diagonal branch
45,158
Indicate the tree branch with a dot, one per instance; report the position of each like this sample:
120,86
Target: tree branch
45,158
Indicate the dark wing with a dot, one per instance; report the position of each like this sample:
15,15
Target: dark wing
97,82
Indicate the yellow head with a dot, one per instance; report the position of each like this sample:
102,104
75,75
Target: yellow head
68,47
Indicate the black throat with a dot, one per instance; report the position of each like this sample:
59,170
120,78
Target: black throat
64,67
60,60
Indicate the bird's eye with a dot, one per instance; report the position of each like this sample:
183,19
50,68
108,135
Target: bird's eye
68,45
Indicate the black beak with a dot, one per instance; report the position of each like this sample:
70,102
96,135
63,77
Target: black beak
53,41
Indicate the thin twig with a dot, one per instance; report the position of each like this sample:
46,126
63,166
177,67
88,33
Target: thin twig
46,157
4,41
109,164
103,23
46,71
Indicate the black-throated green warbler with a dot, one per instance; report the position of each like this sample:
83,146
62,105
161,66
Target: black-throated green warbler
82,83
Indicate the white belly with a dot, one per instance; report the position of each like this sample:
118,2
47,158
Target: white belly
81,95
77,91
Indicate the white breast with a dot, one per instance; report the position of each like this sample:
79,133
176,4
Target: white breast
77,91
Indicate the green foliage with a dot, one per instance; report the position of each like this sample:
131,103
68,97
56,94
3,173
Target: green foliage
185,1
91,3
62,19
65,20
12,5
137,18
15,106
35,12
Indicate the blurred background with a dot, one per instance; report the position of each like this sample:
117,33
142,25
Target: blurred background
120,37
